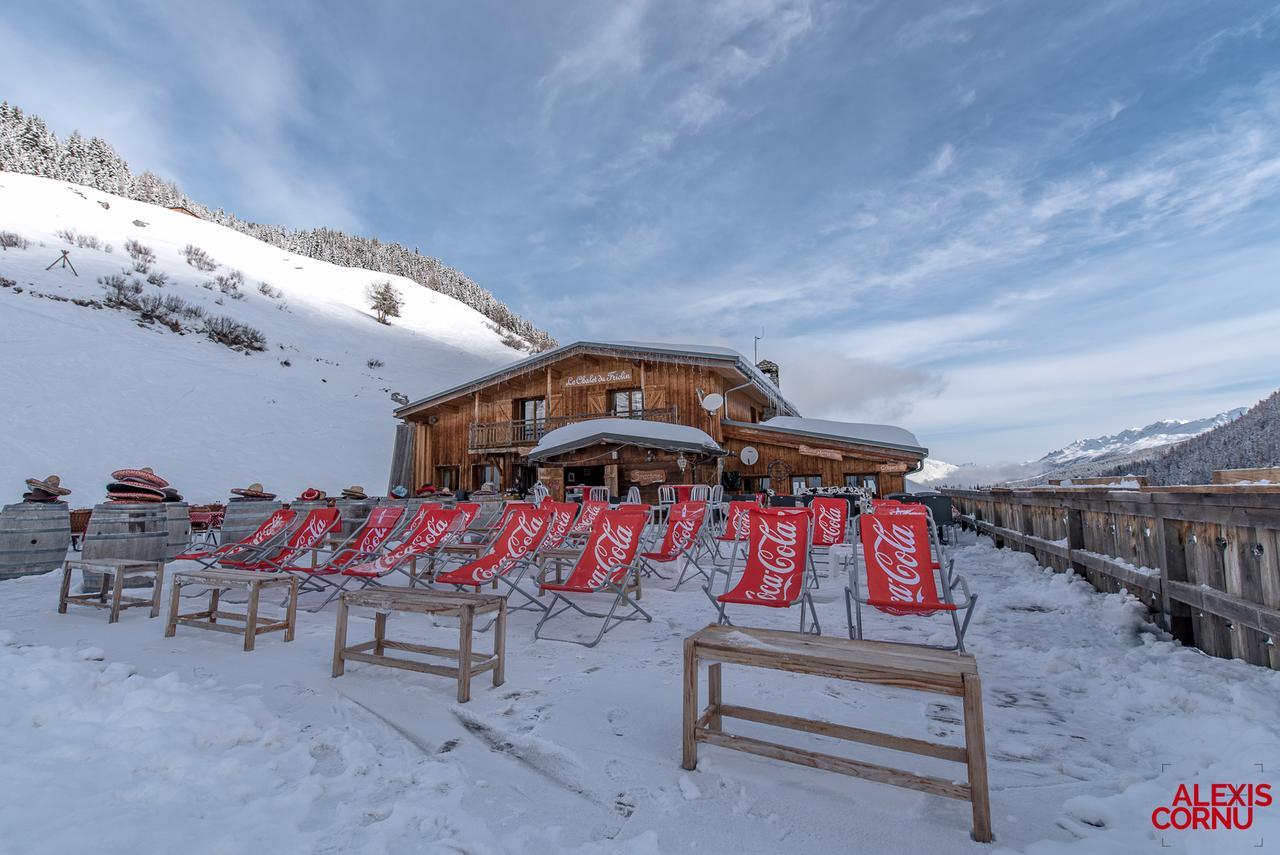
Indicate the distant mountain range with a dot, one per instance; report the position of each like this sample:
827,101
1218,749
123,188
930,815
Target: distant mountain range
1127,452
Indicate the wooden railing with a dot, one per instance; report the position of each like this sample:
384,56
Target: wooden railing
1205,559
527,432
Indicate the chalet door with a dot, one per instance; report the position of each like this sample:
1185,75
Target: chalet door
532,415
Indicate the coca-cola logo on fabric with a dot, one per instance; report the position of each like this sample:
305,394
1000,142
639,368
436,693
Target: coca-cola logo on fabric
273,527
427,536
313,530
612,548
829,520
894,546
588,517
740,523
560,522
780,556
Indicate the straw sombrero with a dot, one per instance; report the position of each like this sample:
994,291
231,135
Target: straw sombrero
143,476
132,488
311,494
131,498
253,491
51,484
354,492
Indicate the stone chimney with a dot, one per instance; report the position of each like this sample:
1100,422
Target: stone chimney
769,369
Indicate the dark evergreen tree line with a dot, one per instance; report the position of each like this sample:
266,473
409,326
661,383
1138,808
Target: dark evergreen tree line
28,146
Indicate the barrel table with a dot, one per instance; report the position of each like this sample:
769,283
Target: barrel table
34,538
136,532
177,529
243,516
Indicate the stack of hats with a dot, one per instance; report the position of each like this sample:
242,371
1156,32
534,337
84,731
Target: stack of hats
136,485
354,493
427,490
311,494
253,491
45,492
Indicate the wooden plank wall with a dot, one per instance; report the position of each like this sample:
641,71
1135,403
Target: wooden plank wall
1215,551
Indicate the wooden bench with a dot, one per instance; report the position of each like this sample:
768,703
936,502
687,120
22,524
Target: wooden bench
114,571
901,666
246,624
465,606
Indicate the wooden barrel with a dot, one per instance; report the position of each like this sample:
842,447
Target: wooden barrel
178,527
243,516
34,538
355,513
119,530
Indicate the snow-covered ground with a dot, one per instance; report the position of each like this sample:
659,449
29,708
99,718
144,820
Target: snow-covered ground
90,390
116,739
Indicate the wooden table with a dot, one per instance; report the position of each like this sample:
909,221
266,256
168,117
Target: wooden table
246,624
465,606
898,665
114,571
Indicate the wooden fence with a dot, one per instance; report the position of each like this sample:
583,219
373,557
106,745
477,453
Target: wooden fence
1205,559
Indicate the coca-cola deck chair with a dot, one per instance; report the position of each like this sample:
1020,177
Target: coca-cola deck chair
830,527
606,567
364,543
314,528
435,527
683,540
586,521
525,530
777,566
270,532
898,550
734,532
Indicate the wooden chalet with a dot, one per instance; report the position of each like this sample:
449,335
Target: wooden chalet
648,426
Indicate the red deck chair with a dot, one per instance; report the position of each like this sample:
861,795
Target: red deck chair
605,566
776,567
563,515
516,544
434,529
364,543
899,546
735,527
830,527
587,517
265,536
683,537
315,526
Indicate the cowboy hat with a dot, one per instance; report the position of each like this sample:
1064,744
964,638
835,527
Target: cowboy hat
354,492
253,491
311,494
140,476
51,484
38,496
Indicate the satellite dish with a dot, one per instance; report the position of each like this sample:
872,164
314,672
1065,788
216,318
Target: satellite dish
749,455
712,402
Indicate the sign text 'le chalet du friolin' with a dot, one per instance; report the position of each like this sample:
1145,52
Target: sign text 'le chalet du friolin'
595,379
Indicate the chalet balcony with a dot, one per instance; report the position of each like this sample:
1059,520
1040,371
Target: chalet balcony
525,433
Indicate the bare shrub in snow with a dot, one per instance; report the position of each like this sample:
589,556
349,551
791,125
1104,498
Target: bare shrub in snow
232,333
514,342
91,242
143,257
198,258
266,290
158,278
13,240
385,300
229,284
69,235
121,291
375,363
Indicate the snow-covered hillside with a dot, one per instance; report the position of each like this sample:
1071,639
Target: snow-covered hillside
88,390
931,472
1155,435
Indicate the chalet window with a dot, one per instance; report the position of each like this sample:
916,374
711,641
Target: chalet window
532,415
800,482
627,403
759,484
446,478
865,480
486,472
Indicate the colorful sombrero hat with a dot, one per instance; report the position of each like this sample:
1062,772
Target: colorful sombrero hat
132,488
253,491
135,498
172,495
51,484
144,476
354,492
311,494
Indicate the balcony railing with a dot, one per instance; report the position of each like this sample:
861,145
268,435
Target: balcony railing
527,432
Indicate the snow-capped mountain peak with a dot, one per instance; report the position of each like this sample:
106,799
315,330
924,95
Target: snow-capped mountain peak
1154,435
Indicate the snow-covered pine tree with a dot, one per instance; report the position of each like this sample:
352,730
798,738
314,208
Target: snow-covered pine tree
385,300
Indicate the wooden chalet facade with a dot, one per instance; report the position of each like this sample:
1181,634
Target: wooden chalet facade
484,430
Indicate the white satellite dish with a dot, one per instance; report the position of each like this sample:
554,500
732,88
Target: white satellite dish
748,455
712,402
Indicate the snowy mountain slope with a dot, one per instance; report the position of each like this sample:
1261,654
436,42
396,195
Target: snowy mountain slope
1154,435
933,471
92,389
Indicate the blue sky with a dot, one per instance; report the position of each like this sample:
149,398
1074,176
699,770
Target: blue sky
1003,225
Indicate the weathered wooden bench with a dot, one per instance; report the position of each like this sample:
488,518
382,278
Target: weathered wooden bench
114,572
464,606
901,666
247,623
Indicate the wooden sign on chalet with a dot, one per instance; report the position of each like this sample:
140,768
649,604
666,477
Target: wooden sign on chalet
622,374
645,477
825,453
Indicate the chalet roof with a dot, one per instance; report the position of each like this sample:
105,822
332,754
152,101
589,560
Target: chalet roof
638,432
881,436
633,349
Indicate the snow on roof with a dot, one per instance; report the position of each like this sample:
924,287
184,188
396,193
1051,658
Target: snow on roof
641,432
888,435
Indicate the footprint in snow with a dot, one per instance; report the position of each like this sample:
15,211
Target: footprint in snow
617,718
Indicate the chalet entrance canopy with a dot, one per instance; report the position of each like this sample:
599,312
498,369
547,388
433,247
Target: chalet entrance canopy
637,432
